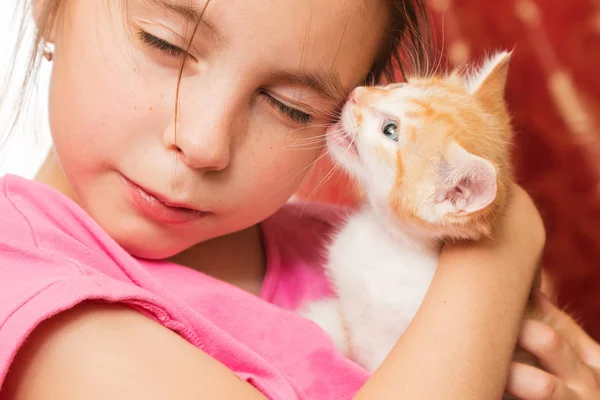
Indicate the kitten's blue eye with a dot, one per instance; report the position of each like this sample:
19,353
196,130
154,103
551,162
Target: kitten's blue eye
390,130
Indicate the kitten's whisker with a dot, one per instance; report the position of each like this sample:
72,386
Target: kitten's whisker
412,61
299,148
333,168
302,128
321,184
309,140
419,38
335,130
295,145
411,55
415,51
370,80
325,154
441,48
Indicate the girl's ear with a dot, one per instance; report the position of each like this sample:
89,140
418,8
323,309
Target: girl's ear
466,182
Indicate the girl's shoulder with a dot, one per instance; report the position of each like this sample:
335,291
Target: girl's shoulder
16,194
296,240
52,257
34,213
36,216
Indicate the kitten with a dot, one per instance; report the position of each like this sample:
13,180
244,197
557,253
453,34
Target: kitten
433,159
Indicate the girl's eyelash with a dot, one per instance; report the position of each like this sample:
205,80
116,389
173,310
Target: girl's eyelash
175,51
290,112
160,44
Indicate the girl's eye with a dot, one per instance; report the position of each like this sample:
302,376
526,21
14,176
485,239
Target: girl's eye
290,112
390,130
162,45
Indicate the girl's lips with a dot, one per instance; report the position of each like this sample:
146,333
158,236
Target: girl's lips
159,209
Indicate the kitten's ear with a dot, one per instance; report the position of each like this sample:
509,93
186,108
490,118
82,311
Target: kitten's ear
490,80
467,183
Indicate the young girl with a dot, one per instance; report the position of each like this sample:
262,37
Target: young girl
153,256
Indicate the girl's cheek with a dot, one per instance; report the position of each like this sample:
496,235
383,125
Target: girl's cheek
275,163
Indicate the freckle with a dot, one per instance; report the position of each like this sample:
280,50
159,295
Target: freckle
135,70
135,107
162,96
150,108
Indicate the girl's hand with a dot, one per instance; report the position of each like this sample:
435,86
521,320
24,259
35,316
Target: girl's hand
570,356
469,294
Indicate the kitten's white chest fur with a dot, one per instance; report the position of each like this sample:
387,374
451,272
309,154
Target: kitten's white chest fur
381,278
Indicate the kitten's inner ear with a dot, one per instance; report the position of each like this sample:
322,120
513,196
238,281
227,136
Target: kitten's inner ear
490,80
467,183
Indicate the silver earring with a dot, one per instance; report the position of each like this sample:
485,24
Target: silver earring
48,51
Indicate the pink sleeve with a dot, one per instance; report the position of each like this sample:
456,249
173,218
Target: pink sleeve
53,256
35,285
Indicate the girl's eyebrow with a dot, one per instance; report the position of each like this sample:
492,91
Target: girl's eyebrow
325,82
194,14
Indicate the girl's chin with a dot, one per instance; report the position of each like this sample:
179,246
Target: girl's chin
143,239
141,249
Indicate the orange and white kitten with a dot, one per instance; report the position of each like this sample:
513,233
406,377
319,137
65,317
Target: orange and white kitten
433,159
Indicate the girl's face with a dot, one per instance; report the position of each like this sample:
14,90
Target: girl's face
258,77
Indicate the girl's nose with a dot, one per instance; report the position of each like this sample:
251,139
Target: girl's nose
207,123
211,155
206,148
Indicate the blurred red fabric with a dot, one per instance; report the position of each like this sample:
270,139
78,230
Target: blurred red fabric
554,95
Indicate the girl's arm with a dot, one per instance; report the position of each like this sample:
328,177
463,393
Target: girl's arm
97,351
460,344
458,347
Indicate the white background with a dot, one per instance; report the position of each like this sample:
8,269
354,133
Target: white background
28,143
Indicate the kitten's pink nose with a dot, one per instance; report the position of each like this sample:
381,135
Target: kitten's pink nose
356,94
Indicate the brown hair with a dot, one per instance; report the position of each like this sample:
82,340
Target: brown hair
407,42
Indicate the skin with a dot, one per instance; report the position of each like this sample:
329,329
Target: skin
112,105
571,358
232,146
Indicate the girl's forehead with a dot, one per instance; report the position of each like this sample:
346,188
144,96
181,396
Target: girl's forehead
339,35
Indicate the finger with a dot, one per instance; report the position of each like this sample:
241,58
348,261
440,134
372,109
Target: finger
554,353
586,347
529,383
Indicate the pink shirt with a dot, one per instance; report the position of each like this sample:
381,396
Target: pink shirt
54,256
